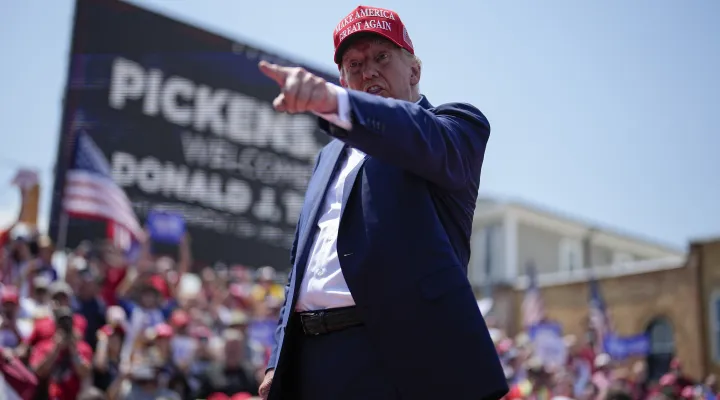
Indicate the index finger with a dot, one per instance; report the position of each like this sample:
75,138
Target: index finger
274,72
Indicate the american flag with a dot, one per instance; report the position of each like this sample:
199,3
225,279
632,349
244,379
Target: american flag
90,192
599,319
122,237
533,307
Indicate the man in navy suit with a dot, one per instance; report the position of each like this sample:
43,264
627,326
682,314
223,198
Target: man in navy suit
378,305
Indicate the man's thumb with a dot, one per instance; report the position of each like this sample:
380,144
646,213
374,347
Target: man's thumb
274,72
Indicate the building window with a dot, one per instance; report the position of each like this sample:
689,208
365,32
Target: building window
571,254
487,247
715,325
621,258
662,347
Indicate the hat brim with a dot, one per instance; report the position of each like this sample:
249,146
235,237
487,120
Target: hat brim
61,291
353,37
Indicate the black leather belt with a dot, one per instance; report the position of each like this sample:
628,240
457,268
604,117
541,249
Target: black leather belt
322,322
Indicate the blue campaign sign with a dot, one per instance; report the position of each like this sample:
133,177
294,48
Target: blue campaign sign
549,345
166,227
545,328
621,347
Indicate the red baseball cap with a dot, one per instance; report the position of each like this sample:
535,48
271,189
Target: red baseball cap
201,332
158,283
179,319
109,330
10,295
379,21
164,330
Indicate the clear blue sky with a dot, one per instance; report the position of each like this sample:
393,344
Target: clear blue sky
605,110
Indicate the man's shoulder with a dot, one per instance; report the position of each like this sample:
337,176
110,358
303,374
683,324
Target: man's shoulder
460,109
44,345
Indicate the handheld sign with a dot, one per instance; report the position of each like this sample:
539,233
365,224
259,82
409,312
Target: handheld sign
166,227
549,344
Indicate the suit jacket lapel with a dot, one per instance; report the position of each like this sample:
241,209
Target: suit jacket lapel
330,157
326,170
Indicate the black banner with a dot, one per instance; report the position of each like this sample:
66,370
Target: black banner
185,120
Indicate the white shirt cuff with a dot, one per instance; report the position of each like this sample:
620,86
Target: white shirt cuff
342,118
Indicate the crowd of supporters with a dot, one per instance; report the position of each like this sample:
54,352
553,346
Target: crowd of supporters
100,327
588,374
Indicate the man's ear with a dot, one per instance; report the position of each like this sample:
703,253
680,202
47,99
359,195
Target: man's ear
415,71
343,81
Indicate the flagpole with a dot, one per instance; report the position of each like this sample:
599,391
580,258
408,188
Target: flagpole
64,219
62,231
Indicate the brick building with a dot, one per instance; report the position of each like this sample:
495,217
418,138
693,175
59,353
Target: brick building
676,303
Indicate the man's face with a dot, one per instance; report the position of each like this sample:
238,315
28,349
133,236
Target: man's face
115,343
711,381
45,253
41,294
112,257
61,300
375,65
163,343
9,309
234,350
146,385
88,289
149,299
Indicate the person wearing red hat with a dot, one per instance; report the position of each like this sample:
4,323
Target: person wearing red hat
677,370
106,360
183,344
63,361
147,309
378,304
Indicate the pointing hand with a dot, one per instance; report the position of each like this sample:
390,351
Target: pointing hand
300,90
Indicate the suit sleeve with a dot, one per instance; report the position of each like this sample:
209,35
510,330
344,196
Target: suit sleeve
445,146
280,330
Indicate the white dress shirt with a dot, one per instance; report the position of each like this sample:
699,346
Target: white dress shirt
323,285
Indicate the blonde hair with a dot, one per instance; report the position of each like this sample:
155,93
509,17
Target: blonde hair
412,57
